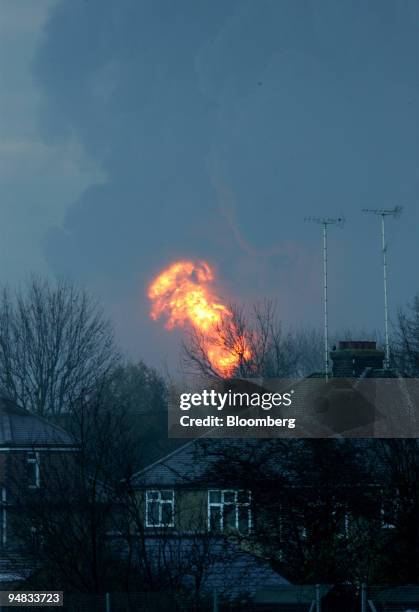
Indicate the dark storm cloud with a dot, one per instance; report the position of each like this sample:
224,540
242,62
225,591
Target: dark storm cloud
218,126
122,77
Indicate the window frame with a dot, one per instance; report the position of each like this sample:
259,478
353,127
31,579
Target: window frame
236,504
34,458
161,502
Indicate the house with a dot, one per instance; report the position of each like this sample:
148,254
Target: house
191,520
193,495
29,447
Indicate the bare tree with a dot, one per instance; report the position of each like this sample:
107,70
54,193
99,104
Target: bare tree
258,345
187,557
316,505
63,526
138,388
400,550
140,393
55,345
84,530
406,350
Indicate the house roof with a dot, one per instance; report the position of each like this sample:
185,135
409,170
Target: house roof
339,409
226,569
179,467
292,594
196,462
232,572
15,567
20,428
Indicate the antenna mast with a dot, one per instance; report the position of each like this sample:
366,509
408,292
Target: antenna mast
325,222
385,212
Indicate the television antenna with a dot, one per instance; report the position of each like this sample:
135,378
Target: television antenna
383,213
325,222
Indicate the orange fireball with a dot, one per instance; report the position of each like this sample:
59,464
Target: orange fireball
183,293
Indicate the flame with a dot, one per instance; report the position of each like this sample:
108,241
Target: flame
182,292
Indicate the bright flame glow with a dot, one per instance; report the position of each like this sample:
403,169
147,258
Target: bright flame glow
183,294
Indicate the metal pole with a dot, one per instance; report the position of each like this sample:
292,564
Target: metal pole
387,347
108,602
318,603
326,329
363,597
383,212
325,221
215,601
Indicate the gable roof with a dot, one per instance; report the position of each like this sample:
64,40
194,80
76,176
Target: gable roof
226,568
20,428
190,464
196,462
177,468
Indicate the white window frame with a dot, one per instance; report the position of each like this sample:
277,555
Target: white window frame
34,458
161,502
222,504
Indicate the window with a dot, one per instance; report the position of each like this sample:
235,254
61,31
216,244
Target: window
159,511
33,470
229,509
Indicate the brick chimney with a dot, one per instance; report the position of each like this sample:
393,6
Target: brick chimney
353,356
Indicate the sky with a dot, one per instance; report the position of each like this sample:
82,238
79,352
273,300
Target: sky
135,133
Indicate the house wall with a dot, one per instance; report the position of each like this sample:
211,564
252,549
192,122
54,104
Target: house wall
17,489
15,472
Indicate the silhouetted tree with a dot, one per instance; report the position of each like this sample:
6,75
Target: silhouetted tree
259,345
63,526
399,459
406,341
55,346
316,505
140,393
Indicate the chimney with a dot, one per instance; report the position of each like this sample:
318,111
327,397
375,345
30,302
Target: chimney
353,356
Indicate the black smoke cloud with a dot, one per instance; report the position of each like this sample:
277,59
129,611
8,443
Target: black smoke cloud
218,126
